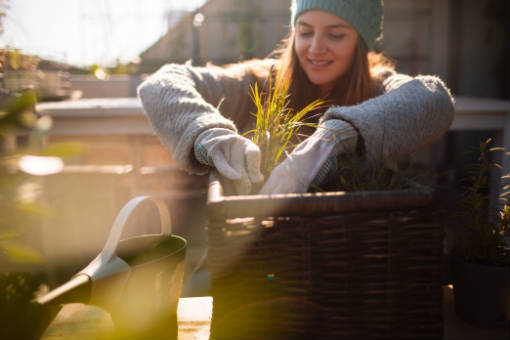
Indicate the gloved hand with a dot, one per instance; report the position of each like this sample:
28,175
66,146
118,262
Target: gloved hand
299,169
235,157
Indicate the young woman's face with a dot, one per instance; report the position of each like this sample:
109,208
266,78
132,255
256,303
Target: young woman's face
325,46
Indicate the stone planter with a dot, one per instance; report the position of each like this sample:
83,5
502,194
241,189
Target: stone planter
481,293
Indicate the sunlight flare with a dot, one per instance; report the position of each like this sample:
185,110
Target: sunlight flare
40,166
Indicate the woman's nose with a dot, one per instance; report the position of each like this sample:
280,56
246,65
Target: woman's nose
317,45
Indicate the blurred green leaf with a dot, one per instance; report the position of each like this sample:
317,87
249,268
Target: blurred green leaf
24,102
13,59
64,150
18,112
19,253
35,209
7,236
27,119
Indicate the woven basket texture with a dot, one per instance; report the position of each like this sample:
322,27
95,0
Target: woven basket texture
355,274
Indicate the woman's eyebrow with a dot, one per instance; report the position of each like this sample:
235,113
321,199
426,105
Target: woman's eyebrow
302,23
340,25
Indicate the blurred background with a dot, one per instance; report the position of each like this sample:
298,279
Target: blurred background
81,61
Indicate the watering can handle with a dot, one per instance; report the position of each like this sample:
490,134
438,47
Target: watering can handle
125,213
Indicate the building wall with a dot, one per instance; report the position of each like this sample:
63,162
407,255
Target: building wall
235,30
232,30
416,34
480,48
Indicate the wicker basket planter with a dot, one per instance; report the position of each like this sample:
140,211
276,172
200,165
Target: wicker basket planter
332,265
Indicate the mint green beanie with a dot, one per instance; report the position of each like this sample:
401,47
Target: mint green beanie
365,15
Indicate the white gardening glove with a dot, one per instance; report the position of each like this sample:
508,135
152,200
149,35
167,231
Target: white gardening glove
300,168
235,157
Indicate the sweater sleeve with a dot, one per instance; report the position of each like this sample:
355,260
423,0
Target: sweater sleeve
181,101
409,114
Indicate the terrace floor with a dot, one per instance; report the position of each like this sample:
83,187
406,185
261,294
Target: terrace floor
79,321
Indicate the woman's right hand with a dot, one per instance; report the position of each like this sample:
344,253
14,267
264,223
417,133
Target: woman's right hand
235,157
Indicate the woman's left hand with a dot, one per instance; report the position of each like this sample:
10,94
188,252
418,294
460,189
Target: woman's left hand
299,169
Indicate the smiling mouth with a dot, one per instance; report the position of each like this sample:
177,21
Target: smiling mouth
319,62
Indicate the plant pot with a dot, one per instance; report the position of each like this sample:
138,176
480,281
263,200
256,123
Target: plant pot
481,293
336,265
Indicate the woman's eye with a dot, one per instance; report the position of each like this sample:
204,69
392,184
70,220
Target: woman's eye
336,36
305,33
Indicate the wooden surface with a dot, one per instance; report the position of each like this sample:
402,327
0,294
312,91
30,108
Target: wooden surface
78,321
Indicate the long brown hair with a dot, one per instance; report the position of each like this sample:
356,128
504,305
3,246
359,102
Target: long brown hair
352,88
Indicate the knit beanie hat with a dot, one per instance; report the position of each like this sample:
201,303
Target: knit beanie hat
365,15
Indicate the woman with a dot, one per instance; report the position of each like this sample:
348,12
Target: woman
199,113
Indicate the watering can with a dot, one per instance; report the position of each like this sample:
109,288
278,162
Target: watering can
137,280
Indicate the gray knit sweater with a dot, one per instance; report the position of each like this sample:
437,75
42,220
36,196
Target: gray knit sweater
181,101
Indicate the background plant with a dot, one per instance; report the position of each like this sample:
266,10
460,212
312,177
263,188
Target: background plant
22,263
484,240
16,115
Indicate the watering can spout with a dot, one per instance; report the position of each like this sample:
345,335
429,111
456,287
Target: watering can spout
76,290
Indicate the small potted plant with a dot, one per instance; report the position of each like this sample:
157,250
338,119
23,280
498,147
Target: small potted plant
278,127
481,252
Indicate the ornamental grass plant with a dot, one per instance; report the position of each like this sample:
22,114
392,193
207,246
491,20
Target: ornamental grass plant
277,124
355,174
